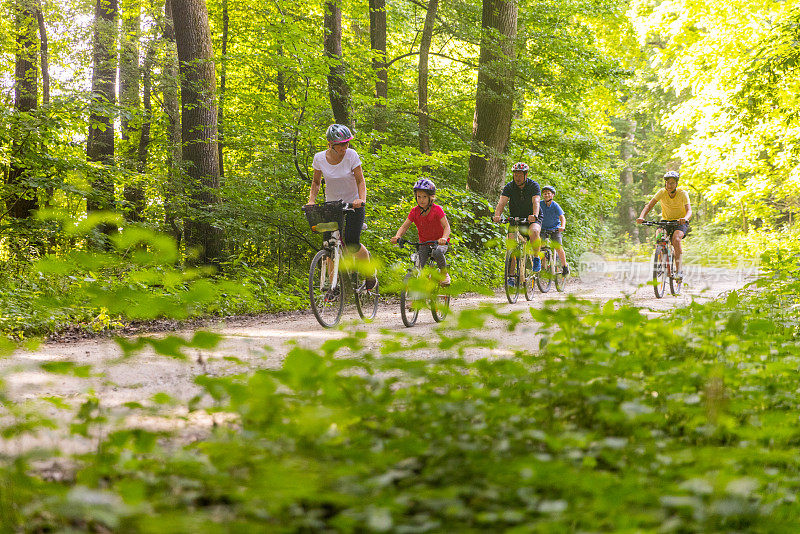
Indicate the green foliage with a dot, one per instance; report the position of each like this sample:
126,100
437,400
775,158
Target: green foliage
685,422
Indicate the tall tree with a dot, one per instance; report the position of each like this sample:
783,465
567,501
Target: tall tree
175,184
338,89
45,55
422,80
100,144
494,98
22,200
377,38
129,75
628,213
223,78
198,125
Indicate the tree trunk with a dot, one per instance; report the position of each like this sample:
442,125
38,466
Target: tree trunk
100,145
627,209
222,82
147,88
377,38
175,189
199,125
45,57
422,80
338,89
129,74
22,199
494,97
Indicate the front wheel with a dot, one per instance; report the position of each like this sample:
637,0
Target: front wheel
558,272
545,278
675,285
366,299
659,271
530,276
327,301
511,277
409,307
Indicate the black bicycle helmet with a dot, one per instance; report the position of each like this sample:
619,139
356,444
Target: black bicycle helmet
338,133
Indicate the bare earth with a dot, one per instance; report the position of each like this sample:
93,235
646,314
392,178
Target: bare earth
263,342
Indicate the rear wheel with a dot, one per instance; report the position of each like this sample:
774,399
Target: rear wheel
366,299
409,307
440,306
511,278
327,302
659,271
545,278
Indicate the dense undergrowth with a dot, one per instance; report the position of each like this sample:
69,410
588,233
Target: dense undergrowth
139,279
680,423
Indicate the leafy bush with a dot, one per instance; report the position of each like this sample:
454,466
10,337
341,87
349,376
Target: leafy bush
682,423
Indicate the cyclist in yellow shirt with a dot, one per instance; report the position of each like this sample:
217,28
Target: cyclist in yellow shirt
675,206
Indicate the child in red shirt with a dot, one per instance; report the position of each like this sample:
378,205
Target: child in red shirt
432,225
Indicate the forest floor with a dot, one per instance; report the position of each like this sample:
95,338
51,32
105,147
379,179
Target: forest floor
263,341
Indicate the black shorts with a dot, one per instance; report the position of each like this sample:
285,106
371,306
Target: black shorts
353,225
682,227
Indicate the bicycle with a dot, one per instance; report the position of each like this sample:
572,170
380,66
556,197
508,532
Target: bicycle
552,269
329,278
518,260
417,288
664,259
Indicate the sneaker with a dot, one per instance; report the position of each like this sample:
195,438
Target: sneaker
511,281
332,294
678,276
371,283
565,271
446,280
537,264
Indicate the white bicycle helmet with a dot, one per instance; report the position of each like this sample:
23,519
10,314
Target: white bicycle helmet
338,133
671,174
520,166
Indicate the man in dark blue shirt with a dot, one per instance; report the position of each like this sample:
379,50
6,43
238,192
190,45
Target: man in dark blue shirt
522,196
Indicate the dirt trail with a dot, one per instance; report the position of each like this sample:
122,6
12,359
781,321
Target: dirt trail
262,342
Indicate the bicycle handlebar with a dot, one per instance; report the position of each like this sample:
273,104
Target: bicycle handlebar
512,220
661,224
402,242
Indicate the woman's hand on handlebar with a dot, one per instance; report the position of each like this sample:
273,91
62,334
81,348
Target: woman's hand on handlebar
358,203
443,241
394,240
496,218
639,220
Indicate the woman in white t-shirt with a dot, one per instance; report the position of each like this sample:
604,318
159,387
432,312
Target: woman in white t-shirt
340,165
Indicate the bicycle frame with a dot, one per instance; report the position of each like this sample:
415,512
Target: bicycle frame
439,303
326,266
663,242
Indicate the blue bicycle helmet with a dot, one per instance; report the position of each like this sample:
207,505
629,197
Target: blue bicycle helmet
550,187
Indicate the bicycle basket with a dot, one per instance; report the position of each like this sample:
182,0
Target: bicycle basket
325,217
